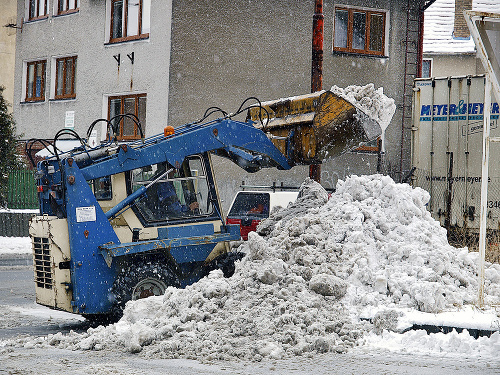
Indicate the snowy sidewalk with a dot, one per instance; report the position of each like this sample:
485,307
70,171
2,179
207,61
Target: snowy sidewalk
15,251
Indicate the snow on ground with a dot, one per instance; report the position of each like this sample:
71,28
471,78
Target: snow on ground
44,313
325,275
15,245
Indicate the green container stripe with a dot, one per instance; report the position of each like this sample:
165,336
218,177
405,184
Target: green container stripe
21,190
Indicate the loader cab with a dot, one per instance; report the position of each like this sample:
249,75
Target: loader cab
181,195
249,208
174,197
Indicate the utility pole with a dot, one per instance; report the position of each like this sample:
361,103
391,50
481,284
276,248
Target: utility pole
317,67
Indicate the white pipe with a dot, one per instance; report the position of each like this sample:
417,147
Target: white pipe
484,187
476,22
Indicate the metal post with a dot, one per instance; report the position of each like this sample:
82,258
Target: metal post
317,67
317,47
484,187
476,21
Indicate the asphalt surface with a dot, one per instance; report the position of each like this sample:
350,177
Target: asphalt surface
15,288
19,313
13,260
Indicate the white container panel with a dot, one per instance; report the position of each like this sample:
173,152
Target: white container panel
447,148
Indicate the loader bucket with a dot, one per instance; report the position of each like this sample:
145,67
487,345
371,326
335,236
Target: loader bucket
308,128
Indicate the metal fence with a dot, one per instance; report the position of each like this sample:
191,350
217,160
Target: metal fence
21,195
14,224
21,191
458,198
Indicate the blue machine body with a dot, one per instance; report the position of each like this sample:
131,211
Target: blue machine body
64,191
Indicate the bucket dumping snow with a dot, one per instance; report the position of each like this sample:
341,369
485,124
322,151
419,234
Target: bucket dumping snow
308,128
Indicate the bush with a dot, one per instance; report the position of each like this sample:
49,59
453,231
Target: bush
9,160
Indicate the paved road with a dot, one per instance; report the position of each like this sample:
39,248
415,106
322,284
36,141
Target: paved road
12,260
20,315
15,288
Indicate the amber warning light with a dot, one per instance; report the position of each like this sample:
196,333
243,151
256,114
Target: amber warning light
169,130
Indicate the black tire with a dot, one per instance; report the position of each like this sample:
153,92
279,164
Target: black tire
141,279
95,320
224,262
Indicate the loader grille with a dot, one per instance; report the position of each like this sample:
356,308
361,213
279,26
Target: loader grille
43,269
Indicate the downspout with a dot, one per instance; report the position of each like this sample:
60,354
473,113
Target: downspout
317,68
420,47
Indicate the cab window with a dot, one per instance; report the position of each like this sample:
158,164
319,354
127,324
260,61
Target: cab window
172,194
102,188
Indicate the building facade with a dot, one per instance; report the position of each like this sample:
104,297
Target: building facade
8,27
448,47
79,60
168,61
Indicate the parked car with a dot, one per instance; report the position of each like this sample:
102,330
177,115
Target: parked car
250,207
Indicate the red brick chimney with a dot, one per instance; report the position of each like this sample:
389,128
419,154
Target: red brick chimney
460,29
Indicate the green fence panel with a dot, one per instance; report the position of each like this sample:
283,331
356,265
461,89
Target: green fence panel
21,193
14,224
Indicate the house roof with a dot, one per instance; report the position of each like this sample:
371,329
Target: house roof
438,26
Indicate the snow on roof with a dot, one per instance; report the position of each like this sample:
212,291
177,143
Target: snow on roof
439,22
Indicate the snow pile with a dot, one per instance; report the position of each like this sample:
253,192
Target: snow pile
378,237
419,342
301,289
310,196
373,102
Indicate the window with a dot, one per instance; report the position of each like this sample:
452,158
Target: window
359,31
172,194
67,6
426,68
37,9
250,204
65,78
371,147
134,104
128,20
102,188
35,80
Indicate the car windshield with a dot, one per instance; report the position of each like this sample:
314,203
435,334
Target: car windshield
250,204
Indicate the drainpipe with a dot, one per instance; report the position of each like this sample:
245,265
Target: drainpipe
317,68
420,47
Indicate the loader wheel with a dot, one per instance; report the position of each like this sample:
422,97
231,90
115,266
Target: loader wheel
141,279
224,262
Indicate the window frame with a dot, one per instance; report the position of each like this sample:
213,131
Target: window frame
431,63
72,91
59,12
37,9
136,135
30,96
370,147
368,13
124,27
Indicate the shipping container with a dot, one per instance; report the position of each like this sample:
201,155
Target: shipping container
447,146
